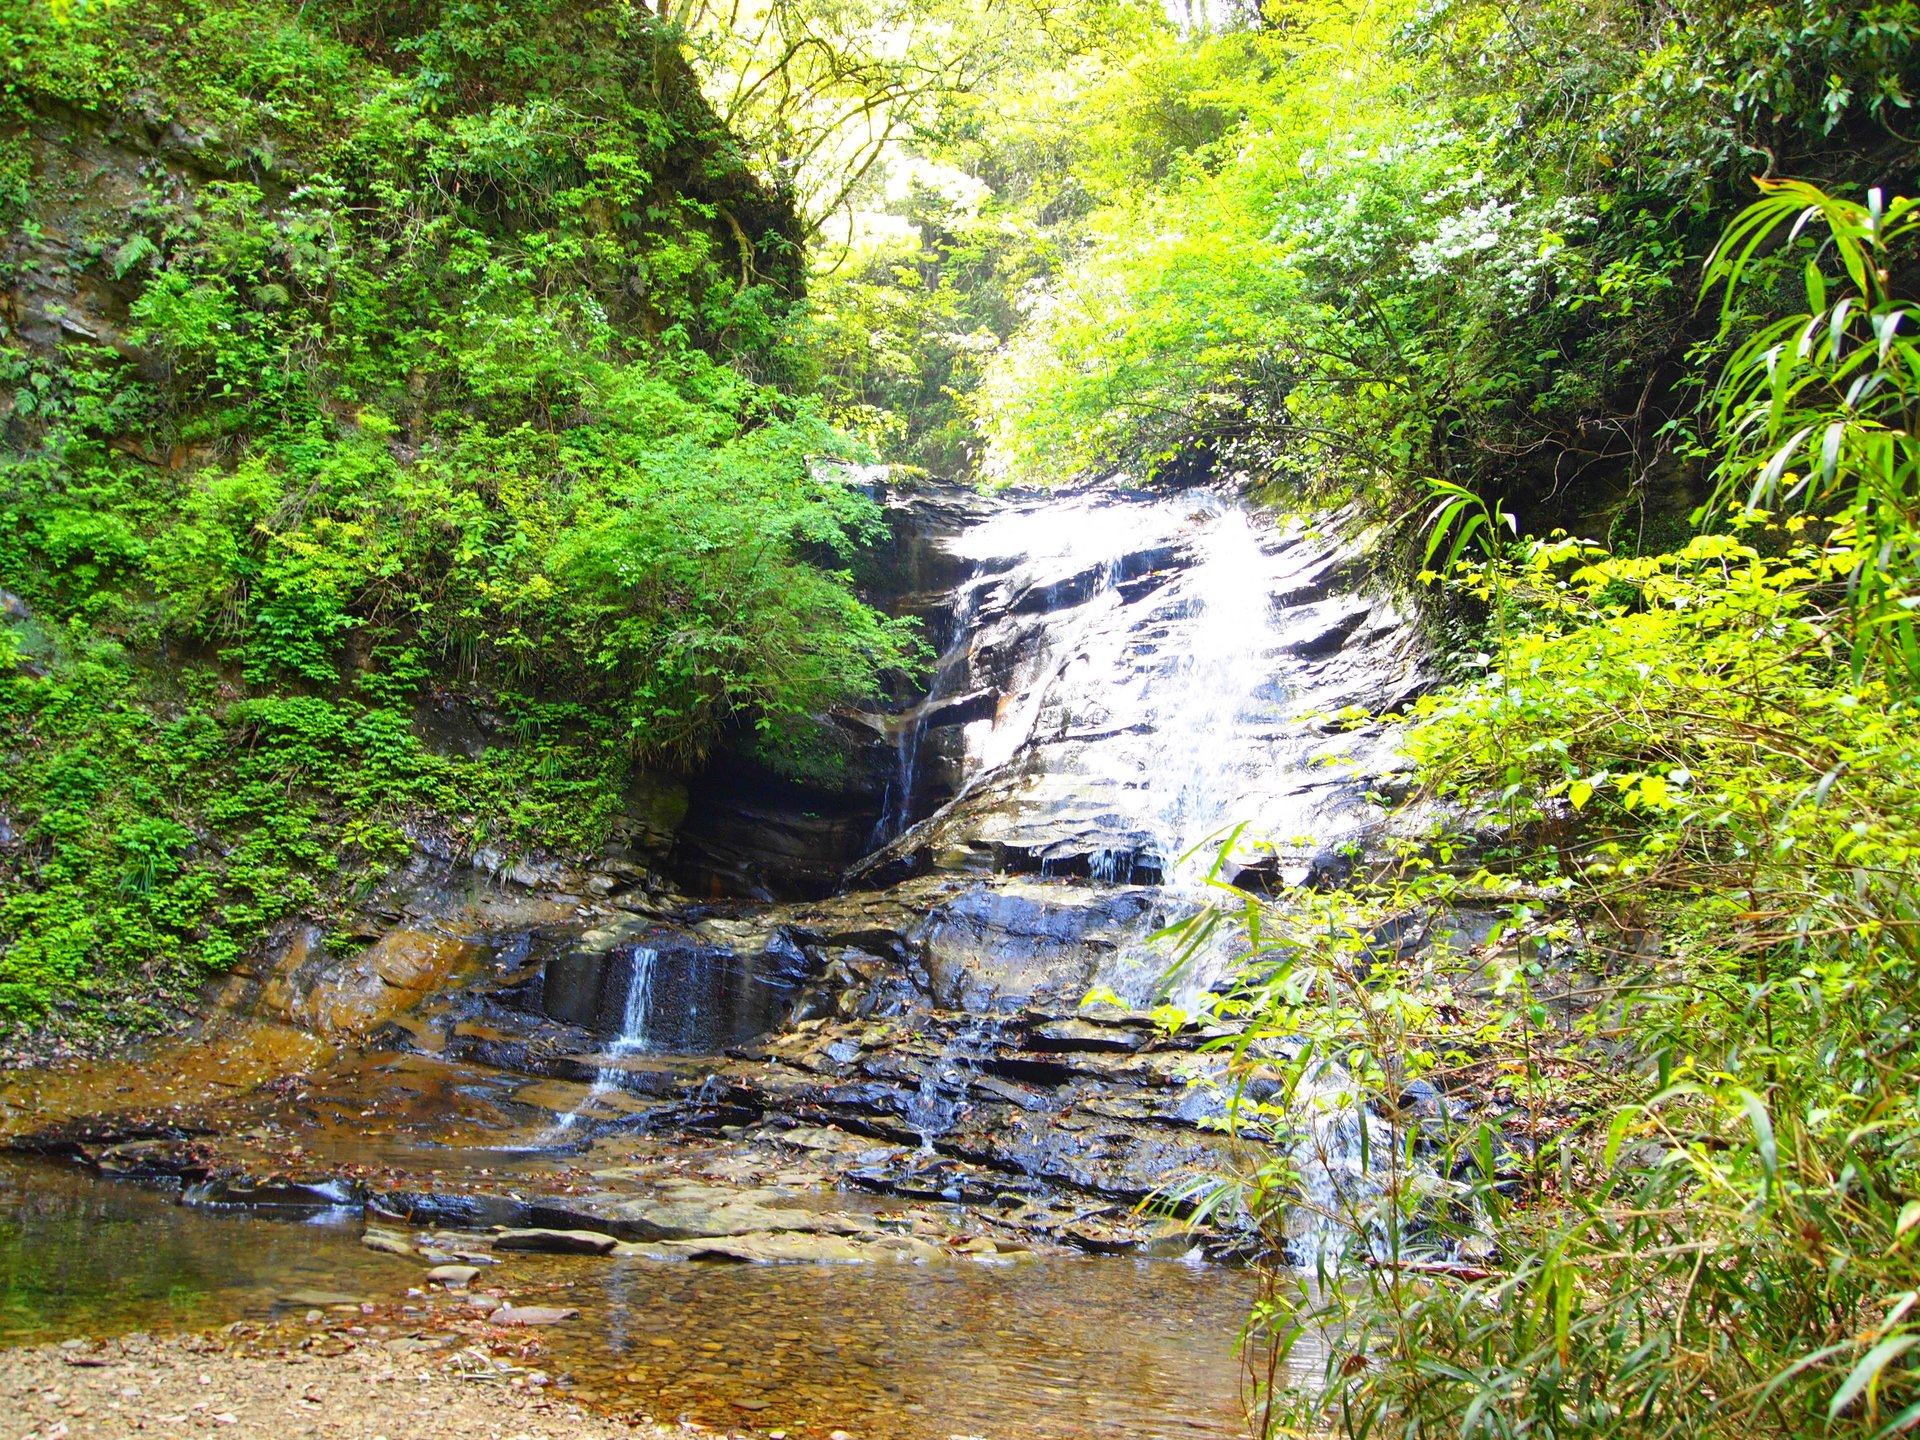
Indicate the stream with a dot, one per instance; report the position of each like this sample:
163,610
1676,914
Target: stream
814,1056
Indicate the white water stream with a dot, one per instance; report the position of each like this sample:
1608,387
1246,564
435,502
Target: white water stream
1170,704
1162,708
632,1040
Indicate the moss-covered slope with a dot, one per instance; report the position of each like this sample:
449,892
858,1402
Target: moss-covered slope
363,364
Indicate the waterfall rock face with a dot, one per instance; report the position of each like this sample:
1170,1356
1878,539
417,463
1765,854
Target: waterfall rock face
1121,676
1142,675
1134,693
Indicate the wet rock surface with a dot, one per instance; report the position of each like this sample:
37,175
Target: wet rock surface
1083,722
1049,1128
1164,666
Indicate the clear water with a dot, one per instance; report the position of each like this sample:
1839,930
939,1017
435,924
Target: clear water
86,1256
1067,1349
1058,1349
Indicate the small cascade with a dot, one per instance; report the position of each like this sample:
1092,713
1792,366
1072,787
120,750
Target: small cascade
941,1099
898,805
931,1112
1342,1155
639,1005
632,1039
909,730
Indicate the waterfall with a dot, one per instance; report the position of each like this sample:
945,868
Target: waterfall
1204,767
1198,705
1164,666
896,810
941,1099
635,1012
632,1039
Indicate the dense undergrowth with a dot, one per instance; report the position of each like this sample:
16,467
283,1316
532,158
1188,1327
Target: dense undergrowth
368,364
1654,1158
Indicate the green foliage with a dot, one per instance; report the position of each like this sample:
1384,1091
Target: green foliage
1817,409
964,219
902,328
1668,1186
1448,257
1672,1193
454,375
1461,241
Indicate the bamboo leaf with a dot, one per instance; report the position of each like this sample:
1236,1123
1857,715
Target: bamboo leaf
1865,1377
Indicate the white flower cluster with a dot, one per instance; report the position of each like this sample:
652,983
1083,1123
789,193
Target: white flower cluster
1509,246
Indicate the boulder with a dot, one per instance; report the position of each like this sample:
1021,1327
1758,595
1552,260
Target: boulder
323,1299
689,1212
511,1314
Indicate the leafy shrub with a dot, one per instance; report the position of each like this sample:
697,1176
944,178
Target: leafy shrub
1658,1139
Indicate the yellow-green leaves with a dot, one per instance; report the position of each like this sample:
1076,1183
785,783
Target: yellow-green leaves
1813,410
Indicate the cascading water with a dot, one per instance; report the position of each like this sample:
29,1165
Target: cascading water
896,811
1199,701
942,1096
1171,686
632,1039
1342,1154
1203,769
634,1015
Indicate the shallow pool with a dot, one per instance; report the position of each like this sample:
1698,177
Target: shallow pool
1053,1349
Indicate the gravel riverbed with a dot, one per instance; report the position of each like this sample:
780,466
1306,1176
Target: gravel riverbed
264,1387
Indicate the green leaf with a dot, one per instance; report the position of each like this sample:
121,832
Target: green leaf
1617,1133
1866,1375
1767,1148
1909,1217
131,254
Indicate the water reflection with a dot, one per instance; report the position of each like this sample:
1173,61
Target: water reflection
85,1256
